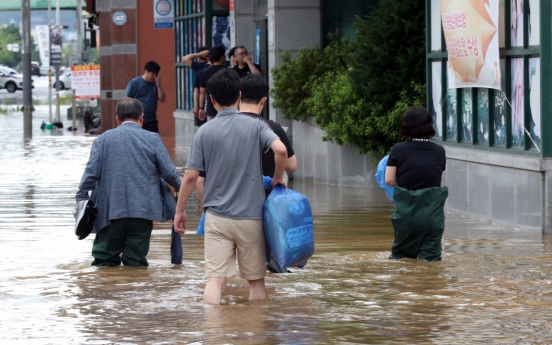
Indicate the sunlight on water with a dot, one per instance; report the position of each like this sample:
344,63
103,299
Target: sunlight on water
494,284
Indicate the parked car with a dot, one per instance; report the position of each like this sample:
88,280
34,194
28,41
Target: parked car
44,70
11,80
64,80
35,68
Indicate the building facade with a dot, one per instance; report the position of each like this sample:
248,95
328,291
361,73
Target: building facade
499,159
497,145
129,39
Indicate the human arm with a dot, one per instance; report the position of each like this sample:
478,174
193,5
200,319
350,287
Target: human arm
200,187
391,176
131,90
186,189
291,164
188,59
160,91
252,67
201,111
195,109
167,171
92,172
280,159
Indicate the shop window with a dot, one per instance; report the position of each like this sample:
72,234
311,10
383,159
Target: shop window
502,119
197,23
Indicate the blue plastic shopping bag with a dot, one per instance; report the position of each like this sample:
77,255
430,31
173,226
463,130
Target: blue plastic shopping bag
380,177
201,225
288,227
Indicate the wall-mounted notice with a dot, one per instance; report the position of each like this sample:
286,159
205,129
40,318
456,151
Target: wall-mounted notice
163,14
85,80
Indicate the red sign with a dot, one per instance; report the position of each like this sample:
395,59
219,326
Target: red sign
232,5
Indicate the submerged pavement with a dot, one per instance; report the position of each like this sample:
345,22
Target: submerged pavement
492,286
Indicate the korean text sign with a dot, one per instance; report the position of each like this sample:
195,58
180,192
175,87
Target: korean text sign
85,80
471,36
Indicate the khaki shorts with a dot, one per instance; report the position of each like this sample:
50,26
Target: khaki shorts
224,237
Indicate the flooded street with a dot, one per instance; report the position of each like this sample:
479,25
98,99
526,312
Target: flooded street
494,284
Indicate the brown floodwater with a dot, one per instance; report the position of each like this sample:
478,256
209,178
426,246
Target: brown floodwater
494,284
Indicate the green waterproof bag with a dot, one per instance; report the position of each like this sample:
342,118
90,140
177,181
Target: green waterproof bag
418,222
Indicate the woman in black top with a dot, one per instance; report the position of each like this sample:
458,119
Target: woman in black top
415,168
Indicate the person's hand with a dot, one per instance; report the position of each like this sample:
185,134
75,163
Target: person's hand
158,81
278,181
195,110
171,188
201,115
247,59
204,54
180,222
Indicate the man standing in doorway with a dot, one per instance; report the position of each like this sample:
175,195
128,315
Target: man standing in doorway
147,89
244,65
234,191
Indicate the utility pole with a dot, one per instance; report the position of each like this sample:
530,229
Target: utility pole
27,80
49,64
57,66
79,26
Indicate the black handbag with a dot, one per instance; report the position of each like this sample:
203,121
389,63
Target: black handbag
85,215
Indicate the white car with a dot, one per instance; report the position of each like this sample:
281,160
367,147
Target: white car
11,80
44,70
64,80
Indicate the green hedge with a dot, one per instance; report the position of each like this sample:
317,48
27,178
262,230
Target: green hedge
358,91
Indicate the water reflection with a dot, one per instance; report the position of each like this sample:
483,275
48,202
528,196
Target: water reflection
493,284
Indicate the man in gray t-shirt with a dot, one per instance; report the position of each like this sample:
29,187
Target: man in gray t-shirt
229,149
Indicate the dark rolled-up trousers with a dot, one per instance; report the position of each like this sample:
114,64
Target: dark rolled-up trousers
129,236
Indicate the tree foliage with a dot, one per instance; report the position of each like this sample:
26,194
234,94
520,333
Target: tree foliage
389,52
9,35
358,91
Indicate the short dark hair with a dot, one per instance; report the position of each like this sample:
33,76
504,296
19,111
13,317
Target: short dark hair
202,48
224,86
241,47
216,53
129,108
152,66
231,52
417,123
253,88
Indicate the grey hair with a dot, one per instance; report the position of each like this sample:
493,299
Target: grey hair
129,108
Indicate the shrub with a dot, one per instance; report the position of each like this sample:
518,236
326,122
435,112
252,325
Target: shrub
358,91
290,79
293,79
348,119
389,52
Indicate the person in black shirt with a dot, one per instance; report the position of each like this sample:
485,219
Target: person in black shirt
415,168
197,62
244,65
232,57
254,92
217,56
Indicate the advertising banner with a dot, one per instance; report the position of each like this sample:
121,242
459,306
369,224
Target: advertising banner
85,80
232,23
471,36
163,14
56,42
43,40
